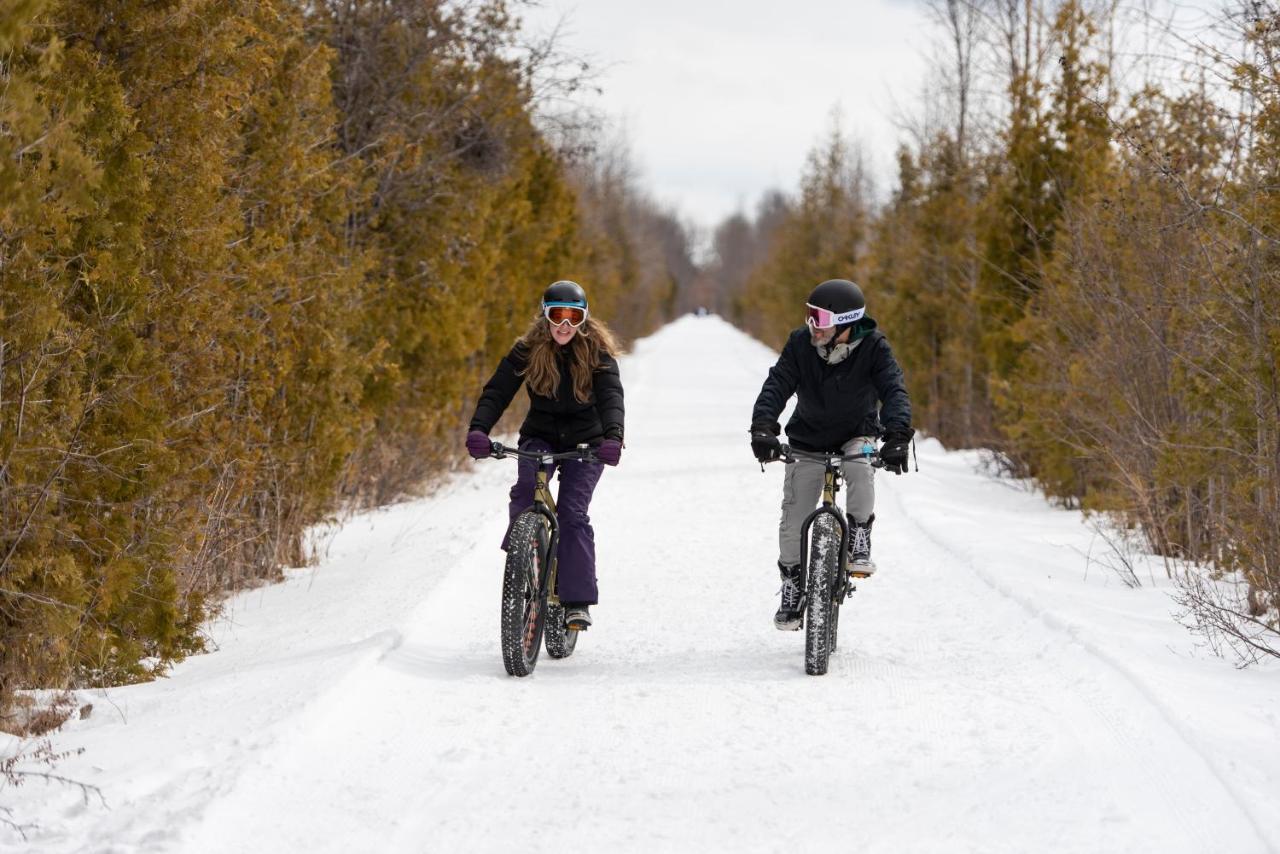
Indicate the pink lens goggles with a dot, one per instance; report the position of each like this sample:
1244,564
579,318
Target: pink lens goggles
821,318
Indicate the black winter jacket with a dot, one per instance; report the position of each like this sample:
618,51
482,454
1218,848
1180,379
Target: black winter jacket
863,395
560,421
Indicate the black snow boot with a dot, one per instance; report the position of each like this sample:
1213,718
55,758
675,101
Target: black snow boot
577,618
791,612
860,565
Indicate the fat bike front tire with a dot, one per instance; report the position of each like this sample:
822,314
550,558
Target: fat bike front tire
560,640
523,608
822,610
835,622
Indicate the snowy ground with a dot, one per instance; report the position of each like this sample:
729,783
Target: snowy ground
992,691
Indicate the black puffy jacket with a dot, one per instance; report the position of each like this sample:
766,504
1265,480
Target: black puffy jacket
561,421
863,395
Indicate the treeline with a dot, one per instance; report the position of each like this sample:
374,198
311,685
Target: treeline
256,258
1081,273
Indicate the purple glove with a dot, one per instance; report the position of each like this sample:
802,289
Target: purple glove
609,452
478,444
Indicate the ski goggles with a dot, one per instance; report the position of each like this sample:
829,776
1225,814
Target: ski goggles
560,313
821,318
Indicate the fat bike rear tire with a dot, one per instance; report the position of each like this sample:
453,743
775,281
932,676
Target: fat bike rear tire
524,610
560,640
822,610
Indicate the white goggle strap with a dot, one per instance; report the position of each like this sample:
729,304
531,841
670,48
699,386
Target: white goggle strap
837,319
547,306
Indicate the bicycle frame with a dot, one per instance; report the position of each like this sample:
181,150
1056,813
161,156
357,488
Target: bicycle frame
545,506
832,476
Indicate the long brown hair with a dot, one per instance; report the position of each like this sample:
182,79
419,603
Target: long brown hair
593,341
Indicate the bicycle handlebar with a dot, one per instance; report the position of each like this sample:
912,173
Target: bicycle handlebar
582,453
790,454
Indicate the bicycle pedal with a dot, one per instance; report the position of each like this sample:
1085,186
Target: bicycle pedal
573,627
859,574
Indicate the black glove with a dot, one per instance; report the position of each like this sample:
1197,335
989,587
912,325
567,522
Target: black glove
893,453
764,441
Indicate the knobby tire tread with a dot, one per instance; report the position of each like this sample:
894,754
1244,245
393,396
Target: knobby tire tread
821,609
560,641
521,578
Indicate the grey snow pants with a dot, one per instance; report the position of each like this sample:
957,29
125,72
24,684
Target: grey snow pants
802,487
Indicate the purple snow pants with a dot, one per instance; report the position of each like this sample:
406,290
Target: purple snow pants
576,555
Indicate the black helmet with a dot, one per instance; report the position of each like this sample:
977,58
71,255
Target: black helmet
838,295
838,302
564,292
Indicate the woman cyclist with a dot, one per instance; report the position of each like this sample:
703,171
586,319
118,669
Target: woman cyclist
566,361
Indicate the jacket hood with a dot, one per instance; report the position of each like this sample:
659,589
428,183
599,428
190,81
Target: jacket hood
862,328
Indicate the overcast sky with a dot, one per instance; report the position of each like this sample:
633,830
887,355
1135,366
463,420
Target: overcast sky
721,100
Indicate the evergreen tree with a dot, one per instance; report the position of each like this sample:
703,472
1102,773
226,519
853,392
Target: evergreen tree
254,257
923,261
823,237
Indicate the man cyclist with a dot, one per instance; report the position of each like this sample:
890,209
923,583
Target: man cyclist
849,392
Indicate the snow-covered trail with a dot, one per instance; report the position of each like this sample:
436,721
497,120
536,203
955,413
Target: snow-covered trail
988,694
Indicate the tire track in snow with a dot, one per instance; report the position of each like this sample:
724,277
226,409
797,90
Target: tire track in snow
1137,687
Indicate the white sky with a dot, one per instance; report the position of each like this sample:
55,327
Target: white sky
721,100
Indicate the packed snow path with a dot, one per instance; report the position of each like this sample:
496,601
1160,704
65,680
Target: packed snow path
992,690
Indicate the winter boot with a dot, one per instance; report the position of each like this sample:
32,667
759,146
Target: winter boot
577,618
791,612
860,565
